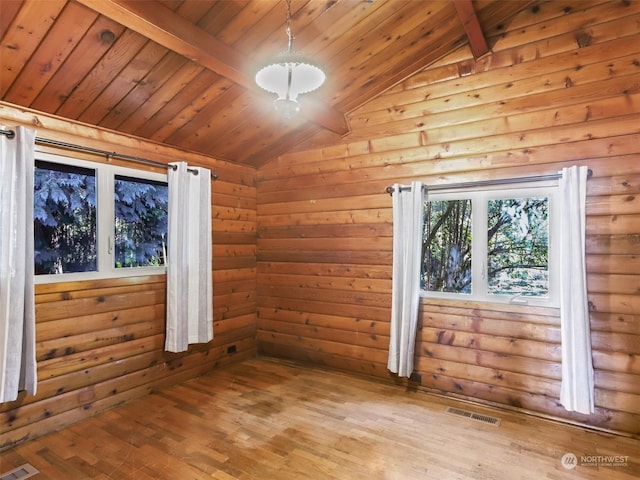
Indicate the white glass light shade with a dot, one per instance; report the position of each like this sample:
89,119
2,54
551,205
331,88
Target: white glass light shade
289,76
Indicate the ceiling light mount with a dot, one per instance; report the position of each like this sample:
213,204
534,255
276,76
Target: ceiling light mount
289,75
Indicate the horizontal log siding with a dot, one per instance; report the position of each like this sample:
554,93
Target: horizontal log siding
101,343
562,87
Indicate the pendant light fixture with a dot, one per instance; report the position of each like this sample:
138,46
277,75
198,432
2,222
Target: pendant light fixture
289,75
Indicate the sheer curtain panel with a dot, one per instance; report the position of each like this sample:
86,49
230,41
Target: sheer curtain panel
17,305
405,296
577,387
189,263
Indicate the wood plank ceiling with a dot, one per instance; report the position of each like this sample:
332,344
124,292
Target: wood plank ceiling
181,71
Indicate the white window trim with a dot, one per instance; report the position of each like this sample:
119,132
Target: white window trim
479,196
105,175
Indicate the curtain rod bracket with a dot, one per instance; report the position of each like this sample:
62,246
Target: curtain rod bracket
7,133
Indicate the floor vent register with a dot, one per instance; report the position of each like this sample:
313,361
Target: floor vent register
478,417
20,473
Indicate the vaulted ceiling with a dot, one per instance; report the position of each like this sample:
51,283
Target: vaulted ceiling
182,72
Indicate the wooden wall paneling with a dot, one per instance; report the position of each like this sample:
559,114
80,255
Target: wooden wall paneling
101,342
73,362
376,258
64,308
614,322
410,163
542,101
615,361
564,19
520,89
341,283
83,324
59,347
500,70
532,349
234,280
489,378
363,326
328,295
325,269
52,292
625,284
306,355
336,348
338,335
362,313
75,381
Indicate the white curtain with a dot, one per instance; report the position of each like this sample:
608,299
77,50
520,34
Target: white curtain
405,297
189,275
577,390
17,308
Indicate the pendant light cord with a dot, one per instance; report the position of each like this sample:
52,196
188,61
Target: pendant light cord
289,34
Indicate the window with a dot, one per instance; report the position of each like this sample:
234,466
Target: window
494,246
65,222
140,222
97,220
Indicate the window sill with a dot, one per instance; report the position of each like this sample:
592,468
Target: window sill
88,276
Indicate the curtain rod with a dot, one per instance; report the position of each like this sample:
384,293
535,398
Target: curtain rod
108,155
481,183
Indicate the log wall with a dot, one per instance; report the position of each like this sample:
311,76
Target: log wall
101,343
560,88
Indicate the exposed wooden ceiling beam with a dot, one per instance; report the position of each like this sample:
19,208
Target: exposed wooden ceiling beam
160,24
467,15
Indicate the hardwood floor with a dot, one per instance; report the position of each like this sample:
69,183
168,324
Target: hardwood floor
271,419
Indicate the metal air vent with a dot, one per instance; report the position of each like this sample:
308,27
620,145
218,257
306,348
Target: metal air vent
479,417
20,473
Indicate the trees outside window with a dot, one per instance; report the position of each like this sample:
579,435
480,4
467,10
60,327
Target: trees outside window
95,220
490,246
140,222
518,246
65,221
446,265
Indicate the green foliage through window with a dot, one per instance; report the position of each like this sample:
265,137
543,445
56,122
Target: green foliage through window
77,231
446,265
140,222
518,239
487,245
64,219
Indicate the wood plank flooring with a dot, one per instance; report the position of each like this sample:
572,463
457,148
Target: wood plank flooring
271,419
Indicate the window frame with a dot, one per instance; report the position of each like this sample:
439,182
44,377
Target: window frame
105,219
479,217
